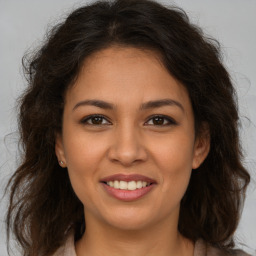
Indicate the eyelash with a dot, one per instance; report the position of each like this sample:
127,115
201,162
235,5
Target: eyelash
86,119
168,121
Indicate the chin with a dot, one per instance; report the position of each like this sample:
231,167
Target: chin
128,219
128,224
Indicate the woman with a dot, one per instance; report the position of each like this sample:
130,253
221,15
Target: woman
129,129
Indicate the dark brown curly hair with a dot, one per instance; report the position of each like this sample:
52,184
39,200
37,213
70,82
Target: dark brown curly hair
43,208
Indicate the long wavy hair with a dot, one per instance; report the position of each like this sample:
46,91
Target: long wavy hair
43,208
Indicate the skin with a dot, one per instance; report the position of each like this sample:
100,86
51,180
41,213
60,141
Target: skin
128,141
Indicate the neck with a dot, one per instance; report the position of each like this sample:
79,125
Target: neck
161,239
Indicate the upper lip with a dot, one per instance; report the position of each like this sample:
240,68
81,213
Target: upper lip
127,177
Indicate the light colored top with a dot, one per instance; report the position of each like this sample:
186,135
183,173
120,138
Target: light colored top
201,249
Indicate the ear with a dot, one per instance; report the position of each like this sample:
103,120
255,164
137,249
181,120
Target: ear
202,145
59,150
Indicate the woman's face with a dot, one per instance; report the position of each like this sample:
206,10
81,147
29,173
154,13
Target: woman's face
128,139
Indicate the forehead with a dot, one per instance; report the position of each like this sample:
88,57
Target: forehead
118,51
128,73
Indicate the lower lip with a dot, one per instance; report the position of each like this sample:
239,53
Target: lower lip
127,195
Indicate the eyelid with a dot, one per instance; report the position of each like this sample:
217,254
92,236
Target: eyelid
85,119
170,120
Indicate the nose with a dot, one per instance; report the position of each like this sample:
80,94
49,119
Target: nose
127,146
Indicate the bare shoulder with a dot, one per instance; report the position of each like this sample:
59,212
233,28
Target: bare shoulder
204,249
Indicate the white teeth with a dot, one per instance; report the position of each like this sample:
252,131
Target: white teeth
131,185
123,184
139,184
116,184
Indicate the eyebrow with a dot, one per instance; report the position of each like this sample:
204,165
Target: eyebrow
96,103
146,105
161,103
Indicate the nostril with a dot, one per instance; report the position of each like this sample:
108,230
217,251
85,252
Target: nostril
127,154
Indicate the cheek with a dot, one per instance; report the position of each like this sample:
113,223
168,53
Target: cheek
174,158
83,151
83,156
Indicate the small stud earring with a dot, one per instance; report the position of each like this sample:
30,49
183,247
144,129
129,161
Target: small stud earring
61,162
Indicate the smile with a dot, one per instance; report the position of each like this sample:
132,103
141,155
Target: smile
131,185
128,187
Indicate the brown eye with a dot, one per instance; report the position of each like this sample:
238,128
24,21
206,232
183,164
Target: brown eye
158,120
95,120
161,120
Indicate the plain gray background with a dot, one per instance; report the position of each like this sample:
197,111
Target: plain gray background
24,23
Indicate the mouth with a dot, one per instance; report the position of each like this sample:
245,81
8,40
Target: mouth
130,185
127,187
